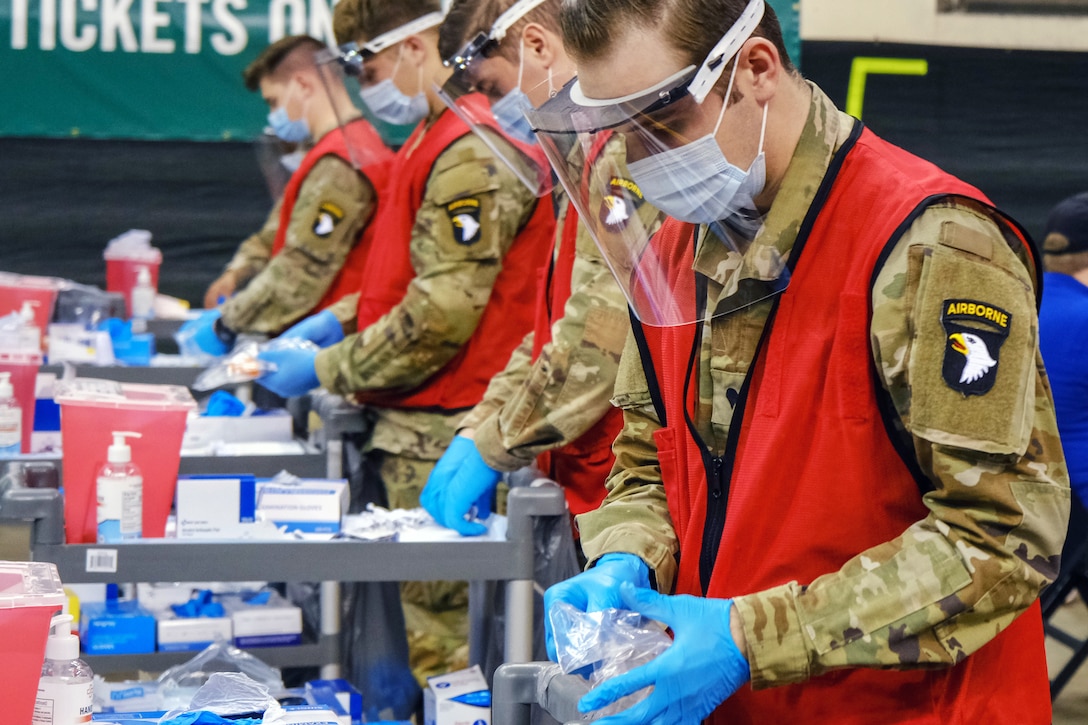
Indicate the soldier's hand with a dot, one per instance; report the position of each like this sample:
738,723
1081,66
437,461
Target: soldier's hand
700,669
295,373
460,481
595,590
219,290
322,329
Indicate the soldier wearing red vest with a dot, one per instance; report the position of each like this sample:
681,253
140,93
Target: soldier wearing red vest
839,466
321,235
550,405
448,290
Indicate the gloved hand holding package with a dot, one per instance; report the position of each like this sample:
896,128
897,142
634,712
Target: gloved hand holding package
244,364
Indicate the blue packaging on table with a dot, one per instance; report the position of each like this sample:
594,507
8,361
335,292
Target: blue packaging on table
339,695
116,627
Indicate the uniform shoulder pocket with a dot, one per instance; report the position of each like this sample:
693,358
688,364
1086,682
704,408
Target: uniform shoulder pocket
463,170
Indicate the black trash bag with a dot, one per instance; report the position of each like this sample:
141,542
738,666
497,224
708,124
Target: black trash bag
373,642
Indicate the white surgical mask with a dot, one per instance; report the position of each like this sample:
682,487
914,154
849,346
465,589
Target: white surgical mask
695,183
388,103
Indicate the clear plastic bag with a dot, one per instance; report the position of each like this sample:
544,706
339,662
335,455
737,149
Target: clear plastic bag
180,683
242,365
601,645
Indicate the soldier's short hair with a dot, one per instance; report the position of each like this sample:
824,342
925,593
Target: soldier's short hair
466,18
692,27
1065,239
361,20
290,54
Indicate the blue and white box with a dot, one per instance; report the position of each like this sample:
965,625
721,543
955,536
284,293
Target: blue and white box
116,627
273,623
456,698
215,507
311,507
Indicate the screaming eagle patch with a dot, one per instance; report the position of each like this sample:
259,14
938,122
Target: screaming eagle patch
465,219
976,331
621,201
328,216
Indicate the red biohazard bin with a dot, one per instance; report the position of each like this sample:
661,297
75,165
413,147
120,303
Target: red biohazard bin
90,410
23,367
30,594
15,289
122,272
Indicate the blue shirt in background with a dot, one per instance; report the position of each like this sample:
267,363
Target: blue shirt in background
1063,339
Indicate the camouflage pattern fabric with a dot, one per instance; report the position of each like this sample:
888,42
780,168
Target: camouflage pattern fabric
254,252
453,282
334,204
532,407
1000,502
435,613
438,314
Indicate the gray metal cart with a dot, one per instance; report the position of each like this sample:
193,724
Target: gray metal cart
32,528
519,686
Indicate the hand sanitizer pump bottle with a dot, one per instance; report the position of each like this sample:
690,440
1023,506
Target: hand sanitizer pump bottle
66,689
120,494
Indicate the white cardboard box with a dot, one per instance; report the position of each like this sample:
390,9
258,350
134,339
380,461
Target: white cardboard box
215,507
191,634
308,506
457,698
274,624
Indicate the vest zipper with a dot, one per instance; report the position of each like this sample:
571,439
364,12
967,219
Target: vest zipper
717,497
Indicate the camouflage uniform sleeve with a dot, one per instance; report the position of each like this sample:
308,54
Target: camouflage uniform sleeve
502,387
986,438
634,517
253,253
473,208
567,390
334,204
346,310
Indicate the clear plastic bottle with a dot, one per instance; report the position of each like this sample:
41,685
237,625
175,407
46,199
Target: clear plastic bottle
142,300
66,688
120,494
11,419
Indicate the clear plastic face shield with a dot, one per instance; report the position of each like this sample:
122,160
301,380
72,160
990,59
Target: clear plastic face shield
486,92
667,134
277,159
334,70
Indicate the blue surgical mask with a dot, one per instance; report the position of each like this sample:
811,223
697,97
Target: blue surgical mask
389,104
509,111
695,183
286,129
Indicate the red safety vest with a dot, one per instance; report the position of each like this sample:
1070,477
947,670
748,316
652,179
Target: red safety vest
581,466
509,314
810,476
378,157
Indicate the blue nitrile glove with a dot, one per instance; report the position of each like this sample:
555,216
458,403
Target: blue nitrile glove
456,485
295,373
595,590
322,329
204,335
698,672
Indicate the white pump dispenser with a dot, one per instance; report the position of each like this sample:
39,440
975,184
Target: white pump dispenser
142,302
66,688
120,493
11,419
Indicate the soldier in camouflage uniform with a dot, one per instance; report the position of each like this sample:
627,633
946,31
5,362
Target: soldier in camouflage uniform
554,394
934,617
292,266
447,297
250,258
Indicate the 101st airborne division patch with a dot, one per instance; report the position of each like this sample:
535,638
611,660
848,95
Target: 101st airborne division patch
976,331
